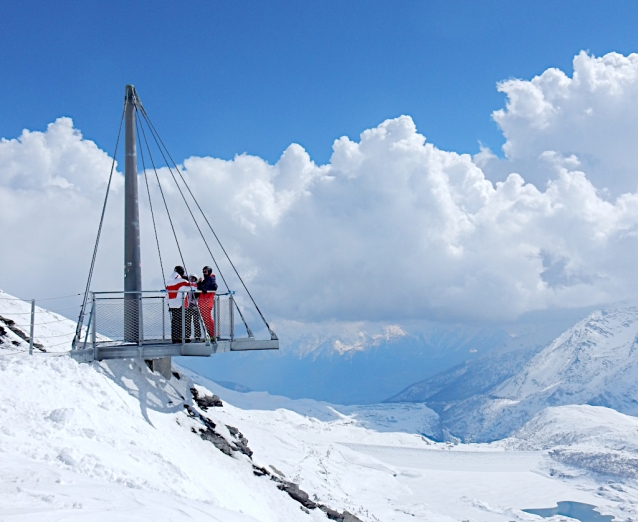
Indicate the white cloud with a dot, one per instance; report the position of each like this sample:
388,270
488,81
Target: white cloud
591,115
392,229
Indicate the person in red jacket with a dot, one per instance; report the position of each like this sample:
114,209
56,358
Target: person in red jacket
207,287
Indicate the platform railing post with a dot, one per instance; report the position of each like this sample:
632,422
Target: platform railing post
203,326
140,306
32,326
183,323
93,327
231,312
216,314
163,318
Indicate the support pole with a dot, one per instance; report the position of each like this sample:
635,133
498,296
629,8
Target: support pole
32,326
132,257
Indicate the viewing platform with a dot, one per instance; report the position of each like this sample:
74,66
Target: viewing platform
125,325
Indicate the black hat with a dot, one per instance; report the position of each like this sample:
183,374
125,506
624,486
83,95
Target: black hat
207,269
180,270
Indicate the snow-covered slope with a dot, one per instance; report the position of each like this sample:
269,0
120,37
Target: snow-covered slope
114,441
591,438
594,362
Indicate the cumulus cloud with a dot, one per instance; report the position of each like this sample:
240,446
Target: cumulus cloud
391,229
590,116
51,186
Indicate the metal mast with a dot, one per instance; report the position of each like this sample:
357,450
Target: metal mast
132,258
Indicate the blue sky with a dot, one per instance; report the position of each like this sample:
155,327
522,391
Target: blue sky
222,78
427,226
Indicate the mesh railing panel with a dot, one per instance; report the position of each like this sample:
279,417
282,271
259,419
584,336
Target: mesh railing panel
224,317
131,319
108,318
156,319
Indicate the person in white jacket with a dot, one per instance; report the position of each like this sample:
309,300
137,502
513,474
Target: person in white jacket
177,287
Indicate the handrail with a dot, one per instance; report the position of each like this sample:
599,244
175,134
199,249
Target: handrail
131,292
230,292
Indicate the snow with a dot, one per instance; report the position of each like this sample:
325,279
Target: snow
113,441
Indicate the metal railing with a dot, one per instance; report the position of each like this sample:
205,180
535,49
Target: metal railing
143,318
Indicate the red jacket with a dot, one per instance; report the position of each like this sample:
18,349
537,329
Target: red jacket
175,286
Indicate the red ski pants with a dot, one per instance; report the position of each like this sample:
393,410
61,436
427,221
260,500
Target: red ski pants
206,302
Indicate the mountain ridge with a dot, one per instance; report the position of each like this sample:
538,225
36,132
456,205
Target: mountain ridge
593,363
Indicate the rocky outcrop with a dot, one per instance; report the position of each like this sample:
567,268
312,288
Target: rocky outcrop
206,401
298,494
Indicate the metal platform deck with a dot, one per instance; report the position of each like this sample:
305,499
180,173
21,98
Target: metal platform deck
156,350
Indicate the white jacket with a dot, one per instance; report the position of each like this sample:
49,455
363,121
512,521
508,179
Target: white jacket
177,288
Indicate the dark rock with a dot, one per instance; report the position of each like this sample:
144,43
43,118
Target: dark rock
218,441
302,497
241,442
209,434
3,332
297,494
177,375
10,323
346,516
330,513
194,415
260,472
208,423
206,401
241,446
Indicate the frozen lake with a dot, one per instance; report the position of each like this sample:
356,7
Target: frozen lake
492,483
577,510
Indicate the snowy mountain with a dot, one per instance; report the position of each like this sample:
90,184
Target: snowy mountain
594,362
114,441
592,438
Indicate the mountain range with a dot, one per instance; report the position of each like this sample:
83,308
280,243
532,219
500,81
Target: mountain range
595,362
366,363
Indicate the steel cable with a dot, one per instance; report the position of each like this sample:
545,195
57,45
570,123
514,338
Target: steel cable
150,203
46,311
157,137
184,198
99,233
163,197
